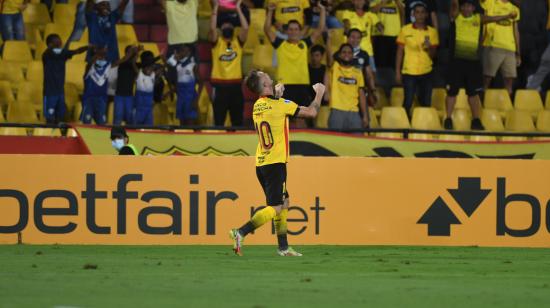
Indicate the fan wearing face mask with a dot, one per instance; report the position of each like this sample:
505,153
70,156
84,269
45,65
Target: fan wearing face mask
227,76
94,102
345,85
121,142
53,60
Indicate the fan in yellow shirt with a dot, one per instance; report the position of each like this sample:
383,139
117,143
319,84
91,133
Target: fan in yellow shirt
270,115
367,22
391,14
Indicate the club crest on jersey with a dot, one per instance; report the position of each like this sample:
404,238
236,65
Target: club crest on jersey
347,80
291,9
287,101
228,57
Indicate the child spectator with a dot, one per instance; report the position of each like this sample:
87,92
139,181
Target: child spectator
124,95
145,87
184,62
345,90
317,69
53,60
94,102
101,22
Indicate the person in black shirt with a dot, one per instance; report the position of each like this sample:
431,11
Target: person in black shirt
316,68
53,60
124,95
430,5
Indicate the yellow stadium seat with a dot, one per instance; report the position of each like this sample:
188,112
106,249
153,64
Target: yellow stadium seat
462,119
71,95
459,138
498,99
28,91
75,74
397,96
2,119
13,131
64,13
425,118
60,29
389,135
462,100
547,100
439,95
528,100
322,117
394,117
543,121
478,138
263,56
12,72
6,95
36,14
39,50
35,72
519,121
47,132
491,119
160,114
418,136
373,120
22,112
33,36
126,35
79,57
17,51
513,138
382,98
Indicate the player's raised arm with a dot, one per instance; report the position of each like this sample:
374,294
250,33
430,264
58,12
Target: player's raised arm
313,108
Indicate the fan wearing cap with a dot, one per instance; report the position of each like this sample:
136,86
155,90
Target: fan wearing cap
101,22
120,141
145,88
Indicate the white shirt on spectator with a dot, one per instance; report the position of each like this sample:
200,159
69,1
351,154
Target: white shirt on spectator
185,68
145,83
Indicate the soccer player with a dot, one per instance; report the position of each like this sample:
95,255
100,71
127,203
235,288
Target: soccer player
270,115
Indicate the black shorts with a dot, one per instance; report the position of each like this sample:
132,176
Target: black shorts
273,180
464,74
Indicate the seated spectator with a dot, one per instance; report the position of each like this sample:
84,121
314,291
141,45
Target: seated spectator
54,60
285,11
128,13
292,55
392,17
94,101
502,51
366,22
417,45
331,21
121,142
431,6
362,61
317,69
145,87
226,77
186,105
124,94
465,67
101,23
11,19
345,92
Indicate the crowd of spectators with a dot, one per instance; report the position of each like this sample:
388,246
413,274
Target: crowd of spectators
385,43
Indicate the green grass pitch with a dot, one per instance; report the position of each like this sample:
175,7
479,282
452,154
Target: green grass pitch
326,276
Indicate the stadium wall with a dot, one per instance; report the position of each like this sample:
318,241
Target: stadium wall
196,200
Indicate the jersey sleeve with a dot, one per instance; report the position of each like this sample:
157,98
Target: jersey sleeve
434,38
277,42
290,108
517,10
401,37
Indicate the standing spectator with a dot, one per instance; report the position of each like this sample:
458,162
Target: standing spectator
186,105
363,20
94,101
501,43
391,16
227,55
53,60
431,19
128,13
535,81
331,21
11,19
145,87
317,69
124,93
101,23
181,17
465,67
294,10
417,45
292,56
345,91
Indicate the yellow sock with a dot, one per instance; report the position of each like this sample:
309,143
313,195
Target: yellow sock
280,222
262,216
